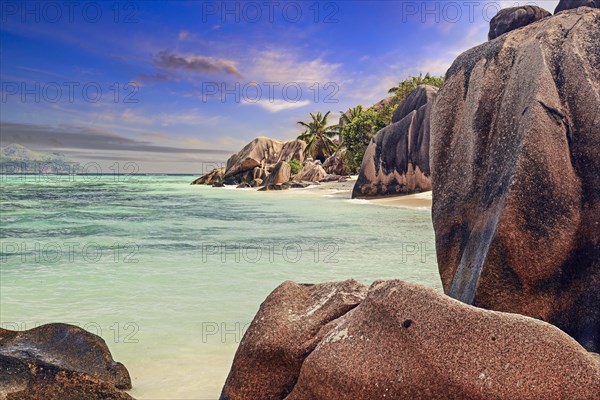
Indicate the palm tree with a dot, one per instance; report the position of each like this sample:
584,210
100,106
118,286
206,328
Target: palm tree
349,115
318,137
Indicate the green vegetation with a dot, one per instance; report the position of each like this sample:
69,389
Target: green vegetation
357,125
356,136
296,166
319,137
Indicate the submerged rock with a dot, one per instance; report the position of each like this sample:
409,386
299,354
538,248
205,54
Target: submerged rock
59,361
397,158
509,19
401,340
516,190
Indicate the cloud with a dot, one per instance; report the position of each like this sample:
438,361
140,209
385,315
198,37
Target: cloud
192,117
46,137
196,63
284,66
183,34
276,105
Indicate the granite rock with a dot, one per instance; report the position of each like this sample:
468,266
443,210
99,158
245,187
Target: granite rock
516,174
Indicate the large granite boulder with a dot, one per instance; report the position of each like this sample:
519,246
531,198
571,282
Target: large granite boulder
509,19
397,158
214,176
421,96
571,4
402,341
254,161
59,361
280,174
264,152
288,326
516,174
335,164
312,171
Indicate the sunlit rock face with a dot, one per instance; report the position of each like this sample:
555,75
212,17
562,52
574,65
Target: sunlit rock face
515,144
397,158
400,340
509,19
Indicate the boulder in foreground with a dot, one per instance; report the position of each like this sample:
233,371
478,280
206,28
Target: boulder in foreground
59,361
402,341
285,331
515,147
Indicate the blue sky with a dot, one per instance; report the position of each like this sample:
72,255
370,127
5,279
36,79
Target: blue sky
143,81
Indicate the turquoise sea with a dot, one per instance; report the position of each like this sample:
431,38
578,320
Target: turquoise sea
170,274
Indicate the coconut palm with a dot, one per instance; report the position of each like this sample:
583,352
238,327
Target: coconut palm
318,137
349,115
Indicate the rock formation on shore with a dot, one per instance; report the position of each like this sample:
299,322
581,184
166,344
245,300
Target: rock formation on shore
255,161
509,19
400,340
59,361
515,147
335,164
397,158
312,171
280,174
264,163
571,4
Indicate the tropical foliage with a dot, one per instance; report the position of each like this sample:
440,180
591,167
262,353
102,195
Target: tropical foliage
402,90
295,166
359,126
356,136
348,116
319,137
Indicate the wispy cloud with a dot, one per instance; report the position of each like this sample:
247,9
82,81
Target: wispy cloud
276,105
196,63
191,117
286,66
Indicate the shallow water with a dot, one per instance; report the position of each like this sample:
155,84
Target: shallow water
170,275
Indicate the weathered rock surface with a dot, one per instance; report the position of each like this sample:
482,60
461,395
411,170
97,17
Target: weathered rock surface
264,152
402,341
333,178
509,19
214,176
280,174
59,361
397,158
287,327
335,163
421,96
255,161
516,188
312,171
571,4
273,187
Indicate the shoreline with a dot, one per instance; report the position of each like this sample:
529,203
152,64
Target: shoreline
343,190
